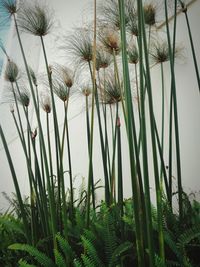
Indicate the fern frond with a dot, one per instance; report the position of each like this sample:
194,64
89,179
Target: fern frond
172,264
59,259
188,236
91,251
110,238
88,261
11,224
118,252
65,248
23,263
77,263
170,241
40,257
159,262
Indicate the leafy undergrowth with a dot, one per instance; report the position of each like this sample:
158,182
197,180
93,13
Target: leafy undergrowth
108,241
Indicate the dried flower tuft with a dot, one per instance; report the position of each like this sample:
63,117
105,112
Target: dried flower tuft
12,110
34,134
110,39
63,80
11,72
132,26
110,13
111,90
9,6
149,14
35,19
86,91
133,55
33,76
79,45
23,96
103,59
159,52
45,102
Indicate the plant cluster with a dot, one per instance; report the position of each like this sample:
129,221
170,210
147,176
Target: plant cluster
59,228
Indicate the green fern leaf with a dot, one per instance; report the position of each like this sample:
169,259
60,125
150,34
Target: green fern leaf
121,249
65,248
23,263
40,257
159,262
59,259
188,236
11,224
91,251
169,239
173,264
87,261
77,263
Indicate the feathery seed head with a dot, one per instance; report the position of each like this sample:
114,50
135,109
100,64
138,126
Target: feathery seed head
63,80
80,46
12,72
110,40
33,76
35,19
34,134
12,110
23,96
149,13
103,59
111,15
112,90
132,26
9,6
133,55
159,52
86,91
45,102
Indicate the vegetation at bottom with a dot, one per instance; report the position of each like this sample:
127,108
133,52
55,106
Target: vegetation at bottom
112,60
110,241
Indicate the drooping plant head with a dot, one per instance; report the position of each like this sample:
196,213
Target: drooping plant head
33,76
159,51
35,18
45,102
103,59
23,96
79,46
110,39
62,81
110,13
133,55
86,90
132,25
149,10
11,72
8,7
111,90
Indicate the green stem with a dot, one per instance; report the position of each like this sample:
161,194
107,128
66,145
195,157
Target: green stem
51,202
173,88
69,159
136,193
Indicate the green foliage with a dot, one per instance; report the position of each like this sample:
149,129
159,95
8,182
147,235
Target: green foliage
90,253
60,262
11,230
40,257
65,248
23,263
